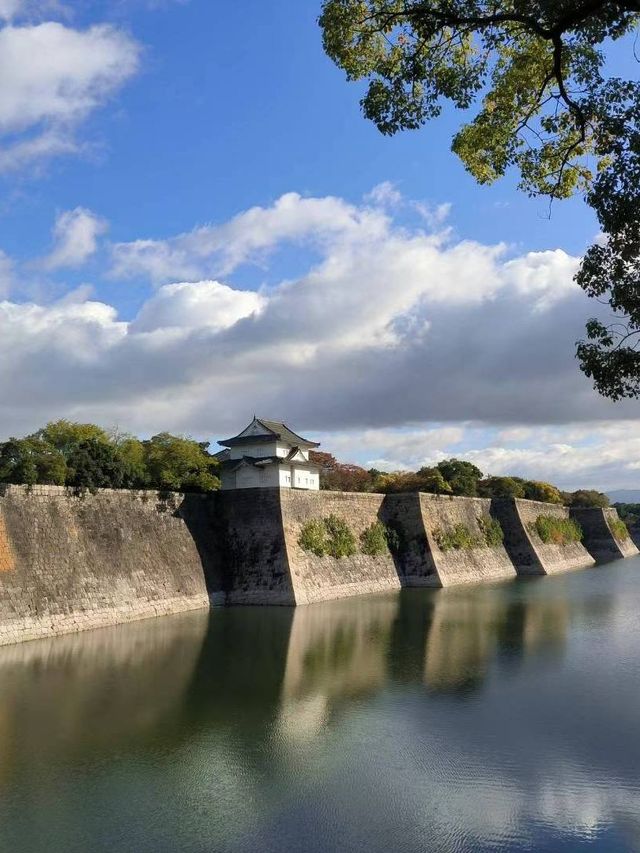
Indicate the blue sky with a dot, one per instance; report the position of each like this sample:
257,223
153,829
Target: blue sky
205,161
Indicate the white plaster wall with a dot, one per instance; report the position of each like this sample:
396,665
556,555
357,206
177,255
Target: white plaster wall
257,450
304,479
285,476
258,478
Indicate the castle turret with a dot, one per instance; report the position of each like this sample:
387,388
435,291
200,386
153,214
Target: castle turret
267,454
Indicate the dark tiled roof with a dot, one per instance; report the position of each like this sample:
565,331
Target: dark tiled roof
279,430
261,461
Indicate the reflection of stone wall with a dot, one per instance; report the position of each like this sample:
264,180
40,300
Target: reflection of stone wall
86,693
69,563
598,538
338,651
530,555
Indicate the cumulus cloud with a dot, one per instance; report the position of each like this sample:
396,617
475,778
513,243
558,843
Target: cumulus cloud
389,329
196,305
53,76
220,249
75,235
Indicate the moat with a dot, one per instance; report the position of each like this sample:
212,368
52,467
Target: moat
497,717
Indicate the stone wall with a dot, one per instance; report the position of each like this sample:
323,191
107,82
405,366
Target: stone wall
68,563
599,539
322,578
251,547
529,554
459,566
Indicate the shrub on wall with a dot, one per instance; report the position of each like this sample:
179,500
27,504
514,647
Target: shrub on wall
340,540
461,538
556,531
619,529
329,536
458,538
313,537
491,530
378,539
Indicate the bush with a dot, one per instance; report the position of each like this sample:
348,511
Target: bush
313,537
491,530
556,531
374,541
458,538
619,529
329,536
341,541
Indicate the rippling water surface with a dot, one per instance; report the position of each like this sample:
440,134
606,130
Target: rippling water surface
495,718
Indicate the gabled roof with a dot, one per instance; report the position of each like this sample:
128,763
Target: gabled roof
273,430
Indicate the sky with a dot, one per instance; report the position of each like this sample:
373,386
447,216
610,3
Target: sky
197,223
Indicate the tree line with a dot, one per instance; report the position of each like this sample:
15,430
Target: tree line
87,457
449,477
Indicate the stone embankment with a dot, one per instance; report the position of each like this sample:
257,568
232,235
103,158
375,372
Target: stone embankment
530,555
70,562
604,537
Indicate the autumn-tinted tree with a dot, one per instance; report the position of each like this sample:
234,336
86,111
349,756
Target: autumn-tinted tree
534,72
339,476
535,490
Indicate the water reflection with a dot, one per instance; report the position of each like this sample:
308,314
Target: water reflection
458,719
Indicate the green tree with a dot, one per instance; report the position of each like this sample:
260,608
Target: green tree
65,435
431,480
132,453
180,464
95,464
29,461
587,497
501,487
463,477
545,106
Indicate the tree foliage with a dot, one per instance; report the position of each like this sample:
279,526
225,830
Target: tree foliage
586,498
463,477
85,456
535,70
502,487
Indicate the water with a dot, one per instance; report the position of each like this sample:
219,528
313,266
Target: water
494,718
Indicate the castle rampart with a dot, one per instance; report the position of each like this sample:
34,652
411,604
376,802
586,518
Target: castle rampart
70,562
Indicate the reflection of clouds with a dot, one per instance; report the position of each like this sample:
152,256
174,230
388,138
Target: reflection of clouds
350,725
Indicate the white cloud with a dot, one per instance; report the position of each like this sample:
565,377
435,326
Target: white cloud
219,249
196,305
52,78
399,344
9,8
75,235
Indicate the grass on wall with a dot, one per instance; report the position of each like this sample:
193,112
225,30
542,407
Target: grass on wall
556,531
619,529
461,538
